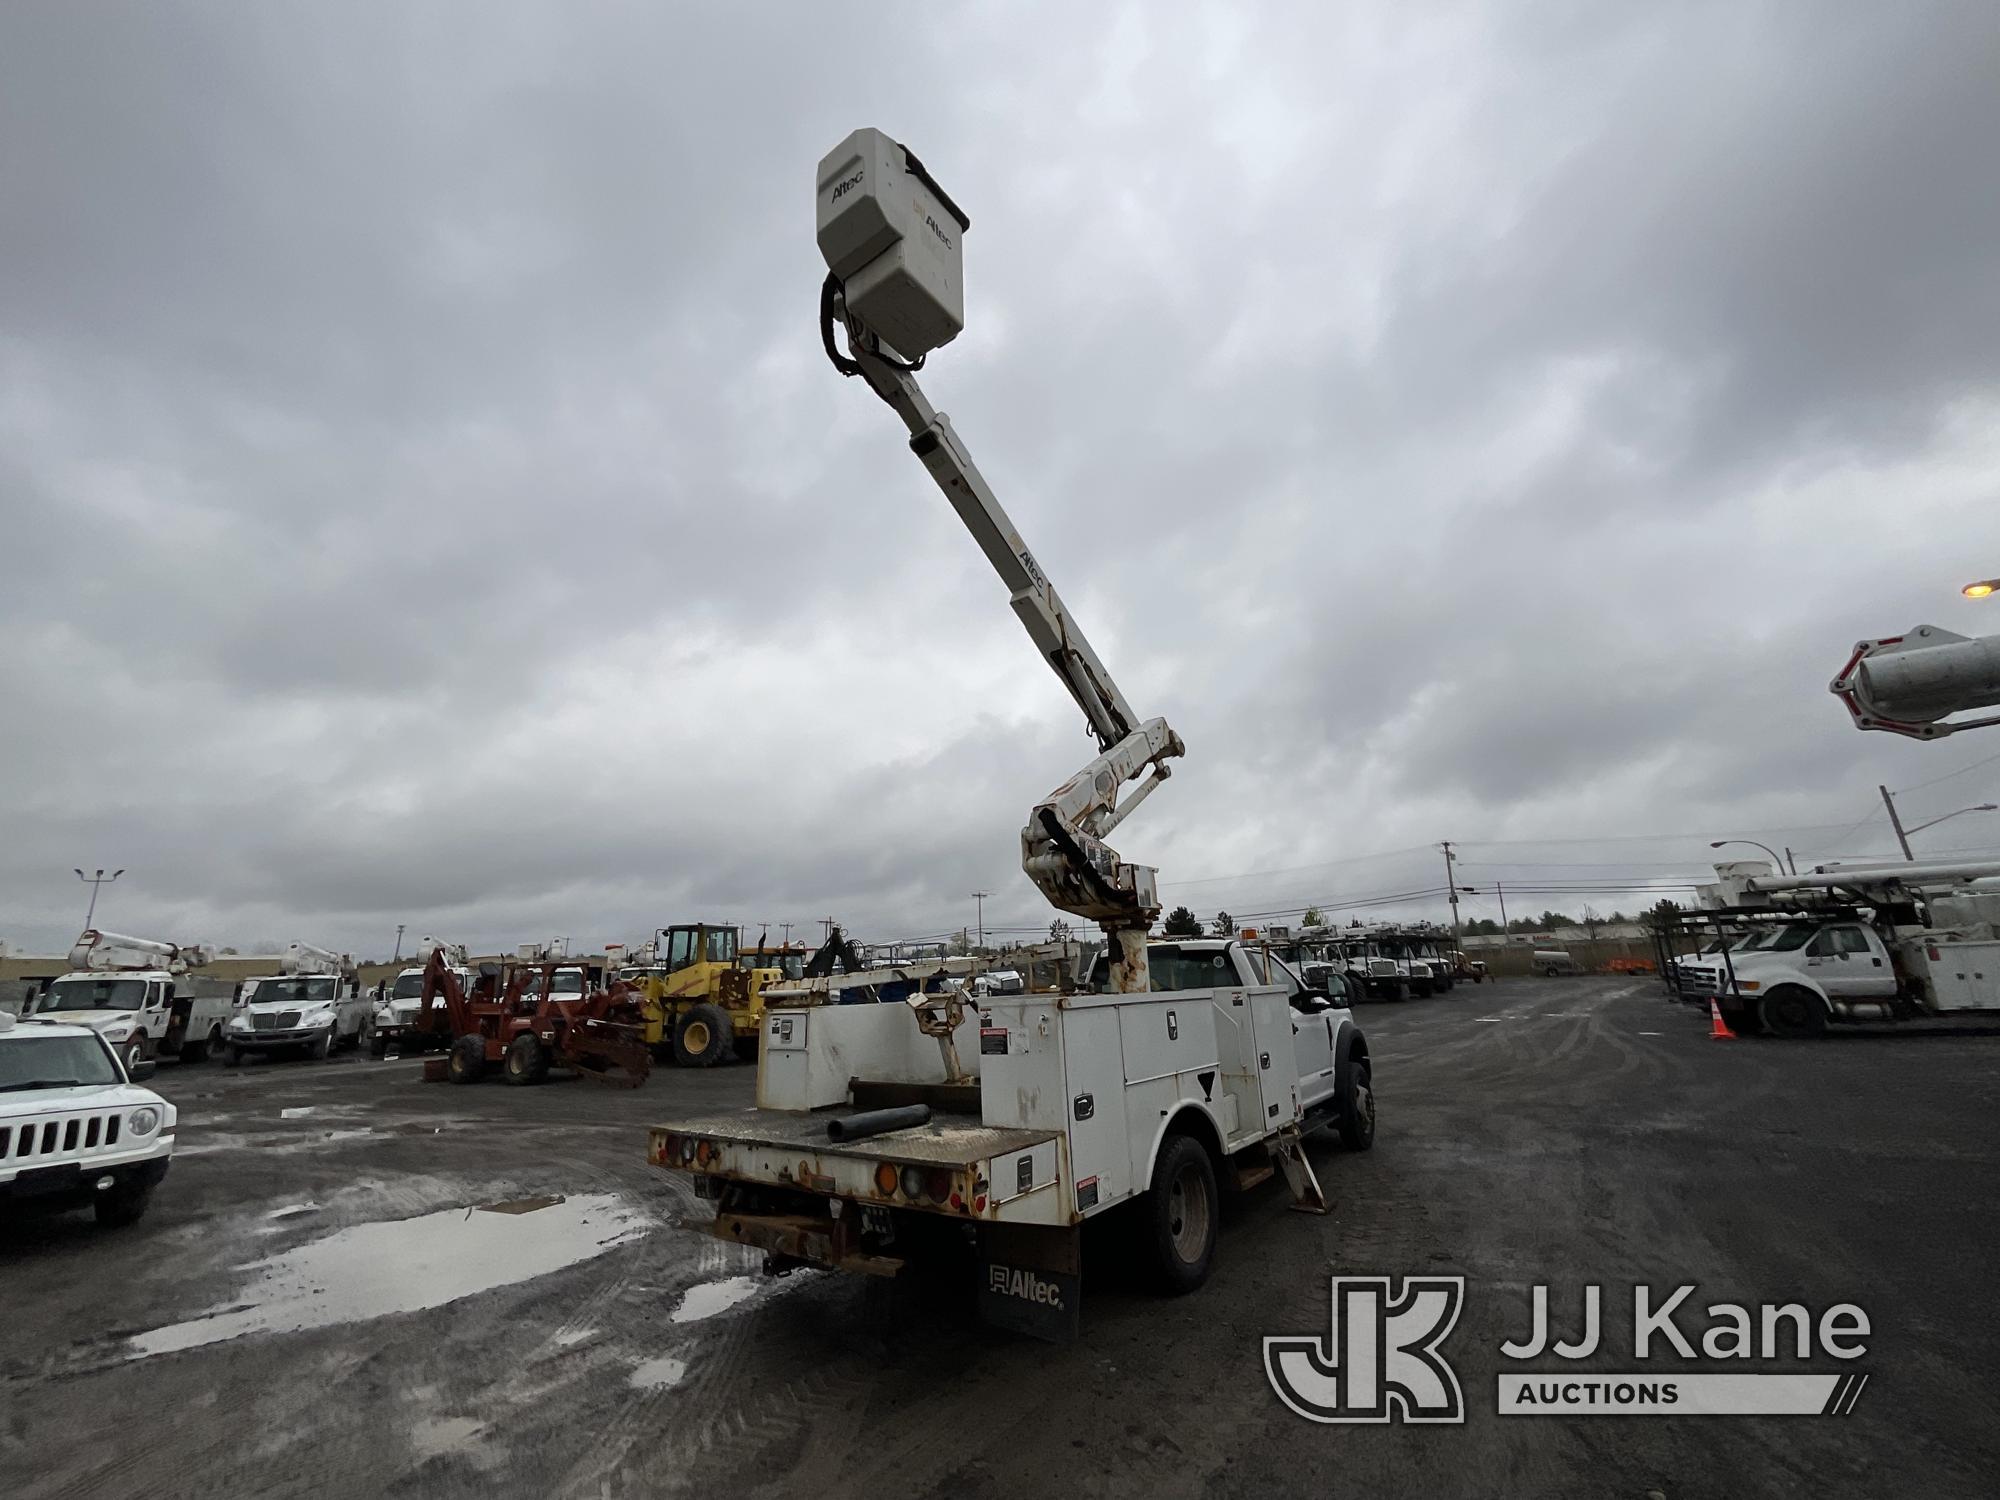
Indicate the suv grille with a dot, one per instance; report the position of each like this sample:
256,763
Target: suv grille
39,1138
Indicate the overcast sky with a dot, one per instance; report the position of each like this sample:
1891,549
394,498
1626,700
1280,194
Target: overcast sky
423,498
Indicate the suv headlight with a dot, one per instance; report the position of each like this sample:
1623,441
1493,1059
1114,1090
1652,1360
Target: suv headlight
144,1120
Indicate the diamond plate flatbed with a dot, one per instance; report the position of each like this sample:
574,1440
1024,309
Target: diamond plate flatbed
949,1140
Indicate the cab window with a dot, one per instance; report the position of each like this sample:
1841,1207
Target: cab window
680,948
722,945
1824,944
1851,939
1259,967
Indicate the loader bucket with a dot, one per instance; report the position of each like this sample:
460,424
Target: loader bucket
608,1054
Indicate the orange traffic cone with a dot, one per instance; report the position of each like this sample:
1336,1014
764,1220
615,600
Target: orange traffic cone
1718,1029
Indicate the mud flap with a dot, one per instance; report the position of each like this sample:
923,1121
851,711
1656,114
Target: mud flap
1031,1280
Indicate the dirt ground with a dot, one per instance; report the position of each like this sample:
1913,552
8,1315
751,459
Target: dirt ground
319,1303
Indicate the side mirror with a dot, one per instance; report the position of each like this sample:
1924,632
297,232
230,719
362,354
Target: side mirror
140,1071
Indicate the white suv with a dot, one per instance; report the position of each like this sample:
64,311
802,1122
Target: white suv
74,1126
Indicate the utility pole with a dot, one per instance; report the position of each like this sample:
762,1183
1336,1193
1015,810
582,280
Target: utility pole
1791,864
980,897
399,942
788,933
94,881
826,929
1894,822
1451,885
1503,907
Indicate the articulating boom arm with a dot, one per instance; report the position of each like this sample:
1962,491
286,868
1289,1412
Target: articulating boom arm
1062,848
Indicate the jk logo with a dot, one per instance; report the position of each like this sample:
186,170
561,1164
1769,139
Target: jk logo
1381,1353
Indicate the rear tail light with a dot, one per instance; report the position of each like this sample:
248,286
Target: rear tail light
913,1182
937,1184
885,1179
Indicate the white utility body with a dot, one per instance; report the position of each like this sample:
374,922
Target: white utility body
75,1126
137,994
312,1005
1011,1119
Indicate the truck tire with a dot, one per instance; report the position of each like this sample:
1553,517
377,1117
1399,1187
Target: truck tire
527,1059
378,1045
1357,1108
122,1205
134,1051
1793,1012
1182,1209
703,1037
232,1057
321,1047
467,1063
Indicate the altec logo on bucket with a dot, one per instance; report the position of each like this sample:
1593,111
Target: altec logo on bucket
1381,1360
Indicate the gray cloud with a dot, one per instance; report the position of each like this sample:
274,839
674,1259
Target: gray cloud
425,501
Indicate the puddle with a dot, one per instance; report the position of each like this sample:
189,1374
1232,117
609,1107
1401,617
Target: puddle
434,1437
657,1374
297,1114
292,1211
713,1297
403,1265
209,1143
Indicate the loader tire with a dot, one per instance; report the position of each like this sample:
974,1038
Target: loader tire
703,1037
527,1059
467,1063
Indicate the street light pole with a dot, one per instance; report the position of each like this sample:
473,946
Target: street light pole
94,881
1896,823
1718,843
980,898
397,957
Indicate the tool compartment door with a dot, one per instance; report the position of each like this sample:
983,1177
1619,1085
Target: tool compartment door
1094,1101
1277,1059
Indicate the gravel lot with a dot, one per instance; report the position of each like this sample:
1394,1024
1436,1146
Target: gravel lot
1561,1132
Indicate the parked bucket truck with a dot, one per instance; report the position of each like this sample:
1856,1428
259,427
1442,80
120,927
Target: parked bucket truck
310,1007
137,994
1174,1069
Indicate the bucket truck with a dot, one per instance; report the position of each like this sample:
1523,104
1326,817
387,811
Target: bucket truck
1173,1068
311,1006
1794,954
139,996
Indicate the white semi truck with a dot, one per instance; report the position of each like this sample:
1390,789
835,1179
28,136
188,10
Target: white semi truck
311,1006
884,1131
138,995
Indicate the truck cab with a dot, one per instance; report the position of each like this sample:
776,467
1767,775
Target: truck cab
1792,978
392,1023
76,1128
298,1011
145,1013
